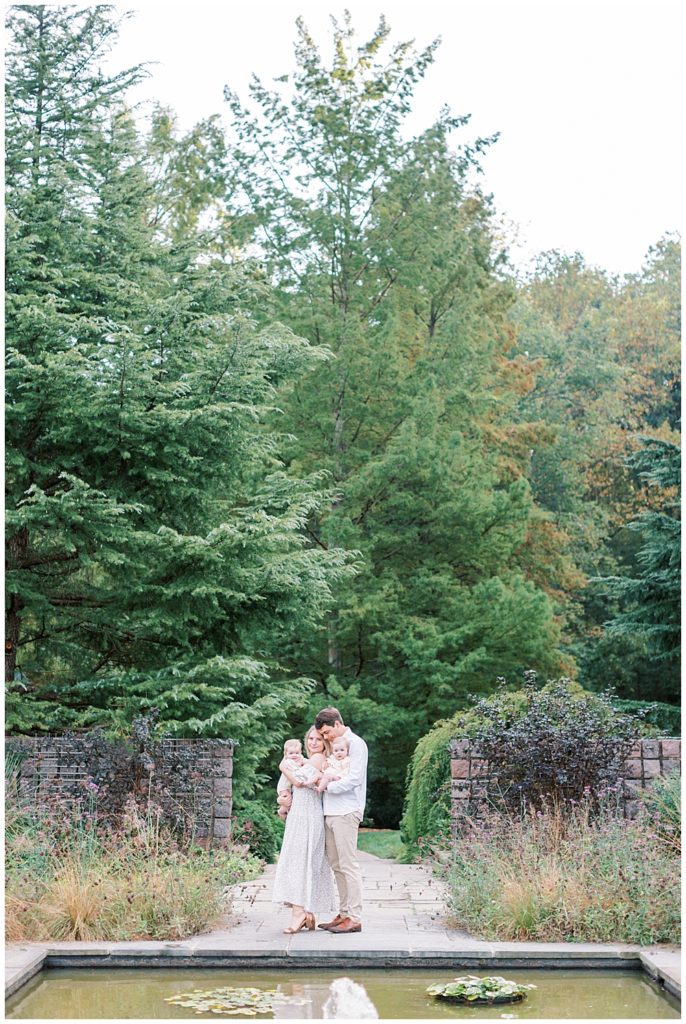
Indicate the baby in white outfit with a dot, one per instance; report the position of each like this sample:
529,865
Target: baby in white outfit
338,761
295,763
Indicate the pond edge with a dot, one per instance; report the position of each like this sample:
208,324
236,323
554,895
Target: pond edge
25,961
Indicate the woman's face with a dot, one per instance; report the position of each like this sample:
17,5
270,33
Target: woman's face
315,743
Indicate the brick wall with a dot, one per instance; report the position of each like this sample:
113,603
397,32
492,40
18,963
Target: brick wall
648,759
191,780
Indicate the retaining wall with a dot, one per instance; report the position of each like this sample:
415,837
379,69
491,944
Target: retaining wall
470,775
190,780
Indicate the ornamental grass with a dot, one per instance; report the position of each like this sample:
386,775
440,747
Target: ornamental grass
578,874
69,877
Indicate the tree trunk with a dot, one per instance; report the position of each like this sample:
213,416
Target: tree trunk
38,121
16,549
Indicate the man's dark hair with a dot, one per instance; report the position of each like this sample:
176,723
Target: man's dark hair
327,716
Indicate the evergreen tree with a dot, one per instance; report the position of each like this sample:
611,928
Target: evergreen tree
156,549
651,599
379,249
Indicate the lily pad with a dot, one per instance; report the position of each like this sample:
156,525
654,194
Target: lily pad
230,1002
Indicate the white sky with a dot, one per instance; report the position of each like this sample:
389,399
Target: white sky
586,97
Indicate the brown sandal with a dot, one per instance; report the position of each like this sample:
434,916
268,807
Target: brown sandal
303,924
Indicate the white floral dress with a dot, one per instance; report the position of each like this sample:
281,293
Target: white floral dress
303,875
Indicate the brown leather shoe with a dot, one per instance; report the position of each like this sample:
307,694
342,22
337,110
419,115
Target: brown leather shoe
347,925
333,924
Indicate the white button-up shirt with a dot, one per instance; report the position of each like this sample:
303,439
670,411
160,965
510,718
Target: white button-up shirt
349,794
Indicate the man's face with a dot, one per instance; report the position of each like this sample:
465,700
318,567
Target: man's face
330,732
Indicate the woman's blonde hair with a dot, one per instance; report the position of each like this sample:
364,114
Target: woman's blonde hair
327,746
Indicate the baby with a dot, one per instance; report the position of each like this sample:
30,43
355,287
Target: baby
294,762
338,761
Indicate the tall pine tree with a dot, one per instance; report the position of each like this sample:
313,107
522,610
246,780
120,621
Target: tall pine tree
156,548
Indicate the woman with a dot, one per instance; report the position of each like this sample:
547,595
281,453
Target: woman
304,880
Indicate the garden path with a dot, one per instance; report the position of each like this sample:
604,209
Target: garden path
404,904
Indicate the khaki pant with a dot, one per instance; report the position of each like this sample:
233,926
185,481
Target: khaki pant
341,852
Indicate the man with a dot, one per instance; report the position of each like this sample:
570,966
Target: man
344,801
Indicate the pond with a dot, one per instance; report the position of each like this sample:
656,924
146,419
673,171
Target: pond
140,993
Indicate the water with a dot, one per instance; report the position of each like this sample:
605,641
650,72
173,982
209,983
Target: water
139,993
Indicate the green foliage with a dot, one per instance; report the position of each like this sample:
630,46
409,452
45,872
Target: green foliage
606,358
651,599
156,548
230,1000
200,443
541,740
663,719
427,801
471,989
384,843
388,258
258,828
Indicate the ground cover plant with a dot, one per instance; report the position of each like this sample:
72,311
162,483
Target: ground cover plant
575,873
68,876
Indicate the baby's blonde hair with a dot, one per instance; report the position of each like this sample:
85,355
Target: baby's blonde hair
292,741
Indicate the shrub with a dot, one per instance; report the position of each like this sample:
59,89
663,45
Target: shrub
427,800
541,741
575,875
258,828
562,743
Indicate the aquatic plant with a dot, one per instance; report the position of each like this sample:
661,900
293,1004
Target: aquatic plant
233,1002
471,989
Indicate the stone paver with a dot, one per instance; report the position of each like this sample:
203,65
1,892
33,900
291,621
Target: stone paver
664,965
404,922
21,963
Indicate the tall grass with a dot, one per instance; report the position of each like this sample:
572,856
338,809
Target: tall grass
554,875
662,802
68,876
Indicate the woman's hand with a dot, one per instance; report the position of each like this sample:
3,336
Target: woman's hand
289,775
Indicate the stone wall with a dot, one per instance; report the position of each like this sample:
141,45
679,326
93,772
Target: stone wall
648,759
191,780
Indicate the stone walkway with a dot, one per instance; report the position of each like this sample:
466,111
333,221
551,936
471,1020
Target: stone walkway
404,908
404,925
